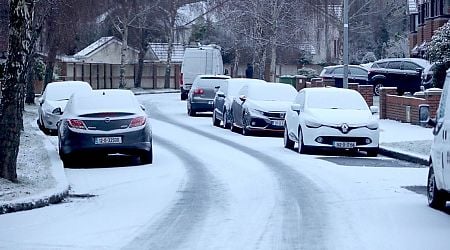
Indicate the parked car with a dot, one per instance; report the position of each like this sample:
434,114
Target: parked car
261,107
331,118
105,122
203,60
54,100
201,95
224,98
438,186
403,73
356,74
427,76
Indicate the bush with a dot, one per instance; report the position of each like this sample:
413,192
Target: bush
369,57
308,72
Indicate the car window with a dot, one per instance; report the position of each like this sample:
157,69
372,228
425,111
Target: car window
379,65
394,65
328,70
410,66
357,71
210,82
443,103
338,71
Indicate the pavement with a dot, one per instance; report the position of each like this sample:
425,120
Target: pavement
397,140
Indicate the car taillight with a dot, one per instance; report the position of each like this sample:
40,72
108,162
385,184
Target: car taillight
199,92
78,124
181,80
137,121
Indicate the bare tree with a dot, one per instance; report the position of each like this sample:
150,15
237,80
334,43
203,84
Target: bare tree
20,21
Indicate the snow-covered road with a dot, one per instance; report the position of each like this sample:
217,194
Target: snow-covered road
210,188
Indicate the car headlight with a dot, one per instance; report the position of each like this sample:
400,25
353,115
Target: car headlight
373,125
255,111
57,111
312,124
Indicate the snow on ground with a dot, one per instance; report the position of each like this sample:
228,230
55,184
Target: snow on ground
394,131
33,165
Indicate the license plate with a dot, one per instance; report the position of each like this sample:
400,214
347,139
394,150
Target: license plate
344,144
108,140
278,123
210,102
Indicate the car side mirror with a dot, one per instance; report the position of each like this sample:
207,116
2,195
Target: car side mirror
41,101
220,94
374,109
242,98
419,70
296,107
432,122
57,111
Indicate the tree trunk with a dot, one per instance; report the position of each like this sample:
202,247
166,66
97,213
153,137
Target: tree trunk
142,51
273,60
20,17
29,99
169,59
123,54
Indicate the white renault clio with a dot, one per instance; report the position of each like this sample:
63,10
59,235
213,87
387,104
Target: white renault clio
331,118
438,187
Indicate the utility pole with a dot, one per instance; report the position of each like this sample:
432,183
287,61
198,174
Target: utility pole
345,80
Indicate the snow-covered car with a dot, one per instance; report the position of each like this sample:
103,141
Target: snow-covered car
261,107
224,98
54,100
331,118
201,95
105,122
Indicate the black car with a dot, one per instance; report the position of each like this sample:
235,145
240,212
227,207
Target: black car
104,122
403,73
356,74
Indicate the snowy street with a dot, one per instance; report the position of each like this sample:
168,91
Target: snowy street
210,188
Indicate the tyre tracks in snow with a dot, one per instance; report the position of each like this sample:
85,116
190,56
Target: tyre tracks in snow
304,219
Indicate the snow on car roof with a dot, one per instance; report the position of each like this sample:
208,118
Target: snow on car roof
104,100
272,92
214,76
337,98
56,91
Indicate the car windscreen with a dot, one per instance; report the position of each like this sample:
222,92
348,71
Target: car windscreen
99,103
210,82
272,92
60,93
336,100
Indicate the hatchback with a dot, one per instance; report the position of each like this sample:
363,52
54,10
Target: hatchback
202,93
331,118
105,122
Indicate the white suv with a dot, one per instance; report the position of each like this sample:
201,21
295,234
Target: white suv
438,187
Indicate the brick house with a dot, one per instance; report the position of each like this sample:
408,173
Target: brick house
425,16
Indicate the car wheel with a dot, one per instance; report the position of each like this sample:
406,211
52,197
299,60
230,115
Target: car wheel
245,130
372,152
216,122
191,112
184,96
232,126
377,89
226,124
301,146
288,143
436,198
42,126
146,157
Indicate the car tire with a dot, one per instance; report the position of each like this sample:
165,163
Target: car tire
372,152
436,197
191,112
146,157
42,126
245,130
226,124
302,149
288,143
216,122
233,128
376,88
183,96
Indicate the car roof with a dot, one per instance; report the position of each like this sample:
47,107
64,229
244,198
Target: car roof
246,80
214,76
67,83
328,89
422,62
350,65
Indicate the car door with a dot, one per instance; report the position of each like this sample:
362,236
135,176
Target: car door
440,150
219,101
411,77
358,75
292,117
237,106
394,74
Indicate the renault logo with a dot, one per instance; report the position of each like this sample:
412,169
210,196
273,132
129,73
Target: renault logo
107,120
344,128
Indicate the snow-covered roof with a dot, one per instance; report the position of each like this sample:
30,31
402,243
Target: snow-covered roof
94,46
159,52
412,7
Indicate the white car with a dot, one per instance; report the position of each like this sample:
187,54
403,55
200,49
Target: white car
331,118
438,187
54,100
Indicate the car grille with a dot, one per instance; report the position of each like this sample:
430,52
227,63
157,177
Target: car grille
275,114
106,124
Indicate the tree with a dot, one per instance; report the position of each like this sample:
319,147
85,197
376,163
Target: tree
438,51
20,21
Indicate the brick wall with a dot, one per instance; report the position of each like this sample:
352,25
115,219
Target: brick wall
420,35
428,30
395,107
367,92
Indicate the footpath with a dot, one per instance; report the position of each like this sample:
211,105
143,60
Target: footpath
42,181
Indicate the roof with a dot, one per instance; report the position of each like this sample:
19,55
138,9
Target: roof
158,52
97,45
412,7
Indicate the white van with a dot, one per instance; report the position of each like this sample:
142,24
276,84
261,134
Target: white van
438,187
204,60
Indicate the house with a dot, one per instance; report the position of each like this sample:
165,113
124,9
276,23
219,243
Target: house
425,16
99,64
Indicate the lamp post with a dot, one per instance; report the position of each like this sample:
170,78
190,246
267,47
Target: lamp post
345,80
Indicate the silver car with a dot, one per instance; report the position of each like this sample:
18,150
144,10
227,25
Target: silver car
202,93
54,100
